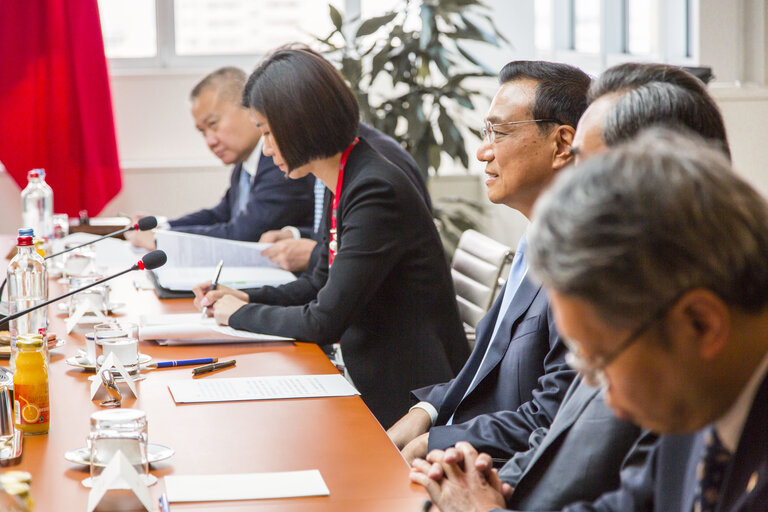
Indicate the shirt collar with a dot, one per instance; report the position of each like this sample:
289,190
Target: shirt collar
730,425
251,163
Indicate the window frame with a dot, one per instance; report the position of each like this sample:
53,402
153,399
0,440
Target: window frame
166,57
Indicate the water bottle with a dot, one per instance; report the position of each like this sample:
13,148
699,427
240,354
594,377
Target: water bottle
27,286
37,204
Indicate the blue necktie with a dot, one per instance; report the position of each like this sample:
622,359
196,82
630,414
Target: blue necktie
244,190
516,275
710,473
319,196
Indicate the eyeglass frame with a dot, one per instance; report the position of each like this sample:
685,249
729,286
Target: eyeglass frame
489,127
594,372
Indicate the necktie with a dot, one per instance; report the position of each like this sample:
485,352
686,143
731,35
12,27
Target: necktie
516,275
710,473
244,190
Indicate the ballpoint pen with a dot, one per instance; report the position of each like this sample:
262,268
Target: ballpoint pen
183,362
164,507
200,370
214,284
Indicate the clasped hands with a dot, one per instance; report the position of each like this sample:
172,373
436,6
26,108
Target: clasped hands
221,302
459,479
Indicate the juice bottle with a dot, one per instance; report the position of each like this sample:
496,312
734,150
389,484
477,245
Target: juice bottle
30,386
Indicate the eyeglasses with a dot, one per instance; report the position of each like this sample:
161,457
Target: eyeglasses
489,128
594,371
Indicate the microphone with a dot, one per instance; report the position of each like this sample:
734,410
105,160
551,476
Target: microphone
143,224
150,261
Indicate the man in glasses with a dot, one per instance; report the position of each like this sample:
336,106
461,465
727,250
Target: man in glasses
518,361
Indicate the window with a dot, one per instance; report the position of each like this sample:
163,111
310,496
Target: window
595,34
176,32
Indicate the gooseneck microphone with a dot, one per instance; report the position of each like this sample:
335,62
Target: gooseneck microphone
150,261
143,224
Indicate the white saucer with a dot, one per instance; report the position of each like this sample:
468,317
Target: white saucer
149,480
81,362
155,453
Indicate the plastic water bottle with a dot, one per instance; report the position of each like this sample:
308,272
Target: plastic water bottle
37,204
27,287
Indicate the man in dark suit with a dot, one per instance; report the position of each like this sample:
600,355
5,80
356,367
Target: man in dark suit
259,197
656,258
517,365
297,249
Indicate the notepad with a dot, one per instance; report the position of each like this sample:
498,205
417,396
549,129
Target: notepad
245,486
260,388
190,328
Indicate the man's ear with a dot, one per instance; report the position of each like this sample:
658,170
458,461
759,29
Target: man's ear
563,136
706,319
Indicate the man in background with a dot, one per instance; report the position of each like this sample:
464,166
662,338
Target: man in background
259,197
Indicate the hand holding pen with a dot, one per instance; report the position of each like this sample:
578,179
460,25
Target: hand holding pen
214,284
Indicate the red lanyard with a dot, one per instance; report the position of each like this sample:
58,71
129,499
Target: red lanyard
333,246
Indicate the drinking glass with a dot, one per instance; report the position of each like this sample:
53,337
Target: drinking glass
78,262
114,430
94,300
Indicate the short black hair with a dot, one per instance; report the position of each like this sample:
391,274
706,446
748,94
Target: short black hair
561,92
630,76
310,109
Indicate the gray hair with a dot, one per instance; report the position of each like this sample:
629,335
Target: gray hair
228,81
629,76
667,104
631,228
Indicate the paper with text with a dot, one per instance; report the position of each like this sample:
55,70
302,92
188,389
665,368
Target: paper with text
190,250
261,388
245,486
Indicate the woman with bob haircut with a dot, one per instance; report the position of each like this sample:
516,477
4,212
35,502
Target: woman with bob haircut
382,286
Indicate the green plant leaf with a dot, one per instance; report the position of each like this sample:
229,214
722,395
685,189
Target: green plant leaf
484,36
473,60
370,26
335,17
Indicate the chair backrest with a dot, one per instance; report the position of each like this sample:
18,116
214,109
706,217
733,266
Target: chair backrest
477,268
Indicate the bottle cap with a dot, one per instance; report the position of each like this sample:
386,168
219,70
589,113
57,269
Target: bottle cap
29,341
34,173
24,241
26,232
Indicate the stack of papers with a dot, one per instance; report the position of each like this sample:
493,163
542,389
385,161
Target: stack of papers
190,328
192,259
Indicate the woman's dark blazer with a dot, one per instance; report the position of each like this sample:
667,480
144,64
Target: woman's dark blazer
388,297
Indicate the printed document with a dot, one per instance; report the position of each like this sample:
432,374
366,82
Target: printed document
194,329
248,486
260,388
189,250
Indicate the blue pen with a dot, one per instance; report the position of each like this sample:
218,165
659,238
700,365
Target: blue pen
164,507
183,362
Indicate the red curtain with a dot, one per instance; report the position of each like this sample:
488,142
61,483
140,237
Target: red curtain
55,104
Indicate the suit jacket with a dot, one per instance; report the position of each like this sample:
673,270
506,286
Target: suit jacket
392,151
274,201
667,481
578,458
524,376
388,298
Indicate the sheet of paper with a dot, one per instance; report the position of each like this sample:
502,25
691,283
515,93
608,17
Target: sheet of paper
261,388
188,250
185,278
190,326
245,486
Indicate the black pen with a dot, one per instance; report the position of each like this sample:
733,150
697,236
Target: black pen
212,367
427,506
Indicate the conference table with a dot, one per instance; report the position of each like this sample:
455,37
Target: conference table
338,436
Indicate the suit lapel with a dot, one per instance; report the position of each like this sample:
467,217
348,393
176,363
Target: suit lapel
464,378
573,405
519,305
